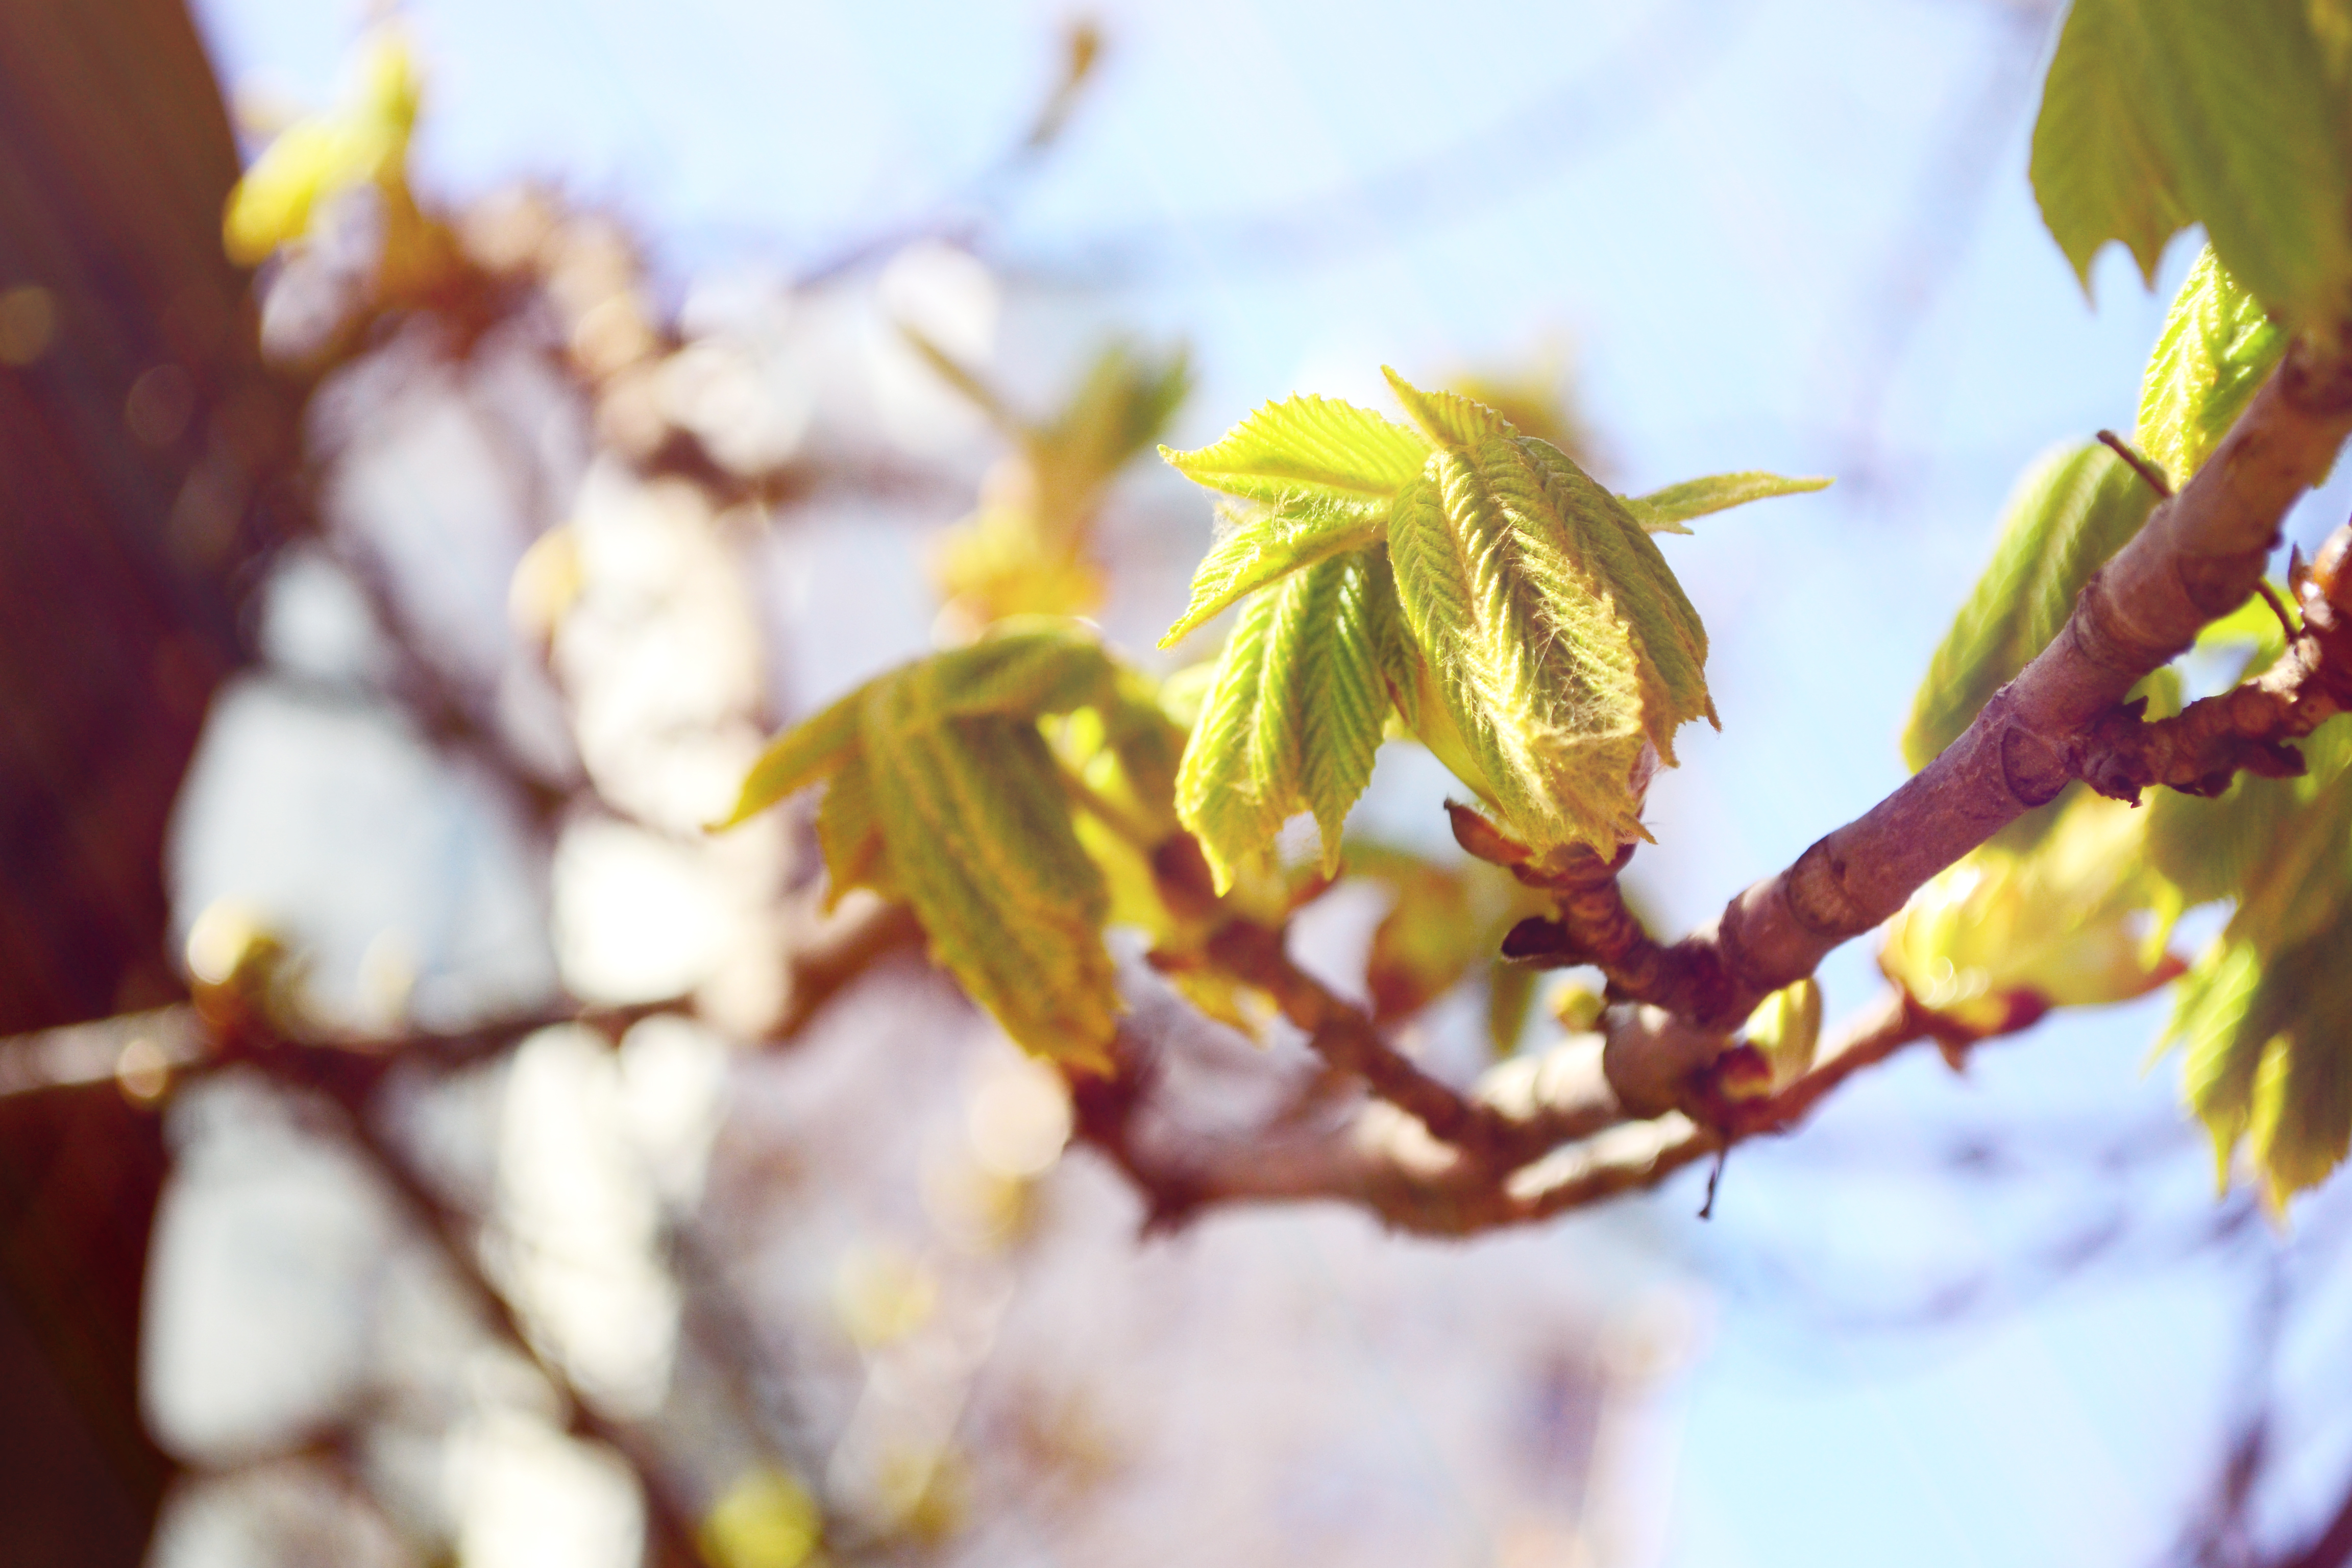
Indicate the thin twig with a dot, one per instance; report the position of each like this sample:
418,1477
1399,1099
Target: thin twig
2147,472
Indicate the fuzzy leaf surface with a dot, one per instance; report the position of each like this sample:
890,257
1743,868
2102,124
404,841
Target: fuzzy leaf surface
1266,545
2217,347
1294,717
1665,510
1307,446
1561,644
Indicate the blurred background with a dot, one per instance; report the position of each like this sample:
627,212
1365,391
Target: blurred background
388,595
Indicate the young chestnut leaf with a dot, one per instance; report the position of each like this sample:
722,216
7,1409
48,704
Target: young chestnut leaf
982,847
1665,510
2217,347
2157,114
1294,717
1785,1030
2073,509
945,795
1562,646
2266,1064
2056,925
1267,545
1307,446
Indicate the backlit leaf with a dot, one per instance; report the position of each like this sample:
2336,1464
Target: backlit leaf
797,758
850,834
1266,544
1561,642
1294,717
1786,1029
2217,347
2074,508
1307,446
2160,113
982,849
2097,165
1665,510
2058,922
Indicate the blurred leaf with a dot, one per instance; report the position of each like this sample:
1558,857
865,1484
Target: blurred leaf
797,758
2160,113
2267,1062
1029,548
1786,1029
363,140
850,836
1308,445
1119,408
1665,510
1445,921
945,795
2057,923
1561,643
2217,347
982,847
1294,719
2074,509
1510,997
993,566
767,1518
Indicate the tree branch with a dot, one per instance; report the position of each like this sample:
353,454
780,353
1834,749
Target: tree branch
2199,557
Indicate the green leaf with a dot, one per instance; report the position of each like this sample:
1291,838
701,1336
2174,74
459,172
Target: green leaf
1786,1029
797,758
2076,506
2217,347
1268,544
850,834
2160,113
2262,1010
2267,1062
1665,510
1307,446
1560,641
1294,717
2097,165
1030,667
981,844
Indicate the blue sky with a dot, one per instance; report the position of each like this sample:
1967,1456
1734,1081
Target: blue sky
1785,234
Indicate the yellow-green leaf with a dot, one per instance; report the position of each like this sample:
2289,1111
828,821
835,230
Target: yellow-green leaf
2076,506
850,834
1561,644
1025,668
1307,446
2160,113
1269,543
797,758
2059,922
1665,510
2097,166
1294,717
2217,347
981,844
1785,1027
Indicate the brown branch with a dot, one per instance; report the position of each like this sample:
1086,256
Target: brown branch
1344,1036
2208,744
1371,1157
2197,558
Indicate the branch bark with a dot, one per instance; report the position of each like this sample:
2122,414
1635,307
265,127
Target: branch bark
2199,557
